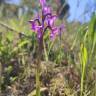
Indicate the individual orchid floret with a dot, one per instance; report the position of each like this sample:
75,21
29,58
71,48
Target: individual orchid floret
33,25
50,20
54,32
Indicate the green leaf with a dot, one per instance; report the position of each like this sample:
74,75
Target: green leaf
21,44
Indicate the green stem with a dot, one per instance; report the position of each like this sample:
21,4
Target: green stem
45,51
0,76
37,81
60,48
38,74
83,60
82,81
40,47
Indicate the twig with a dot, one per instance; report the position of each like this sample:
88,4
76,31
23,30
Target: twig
8,27
11,29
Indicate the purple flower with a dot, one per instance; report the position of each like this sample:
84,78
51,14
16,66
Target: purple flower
38,24
36,27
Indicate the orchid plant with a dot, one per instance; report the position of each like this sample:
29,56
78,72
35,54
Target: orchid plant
40,26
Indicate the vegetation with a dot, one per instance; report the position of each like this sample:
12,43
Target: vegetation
68,63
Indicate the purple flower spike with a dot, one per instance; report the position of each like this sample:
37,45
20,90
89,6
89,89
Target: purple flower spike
40,25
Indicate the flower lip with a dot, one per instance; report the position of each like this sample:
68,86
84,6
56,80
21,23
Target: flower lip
34,23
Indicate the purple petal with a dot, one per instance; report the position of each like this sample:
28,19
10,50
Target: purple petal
33,25
51,20
39,30
43,3
54,32
46,10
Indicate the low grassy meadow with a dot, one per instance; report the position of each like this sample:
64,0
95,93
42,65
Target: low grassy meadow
60,66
